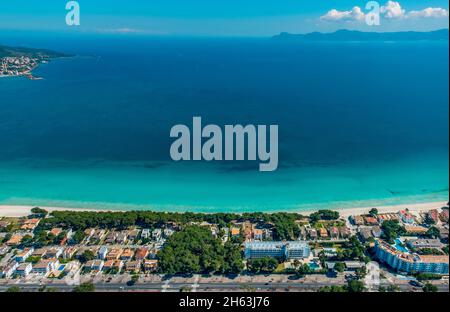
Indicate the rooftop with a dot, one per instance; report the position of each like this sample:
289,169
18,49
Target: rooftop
272,245
434,259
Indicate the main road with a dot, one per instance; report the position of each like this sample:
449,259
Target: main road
177,286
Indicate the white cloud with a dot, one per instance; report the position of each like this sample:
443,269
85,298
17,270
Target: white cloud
127,30
123,30
429,13
356,14
392,10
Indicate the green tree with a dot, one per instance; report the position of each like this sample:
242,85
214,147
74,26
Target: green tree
322,257
303,270
262,265
433,232
339,267
14,289
39,212
27,241
85,287
355,286
186,289
392,230
428,276
87,255
7,237
373,212
393,288
430,288
58,239
285,226
77,237
333,288
361,272
233,263
33,259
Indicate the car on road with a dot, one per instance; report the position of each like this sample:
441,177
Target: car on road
350,277
415,283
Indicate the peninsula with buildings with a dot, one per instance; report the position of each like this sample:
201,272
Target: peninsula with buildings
20,61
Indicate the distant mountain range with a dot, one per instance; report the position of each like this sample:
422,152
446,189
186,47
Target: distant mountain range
351,35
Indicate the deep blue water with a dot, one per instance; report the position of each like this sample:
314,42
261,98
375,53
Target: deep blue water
357,122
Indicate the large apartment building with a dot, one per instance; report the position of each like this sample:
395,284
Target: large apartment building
287,250
408,262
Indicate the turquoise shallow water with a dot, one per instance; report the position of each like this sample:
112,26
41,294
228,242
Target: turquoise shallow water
365,125
206,188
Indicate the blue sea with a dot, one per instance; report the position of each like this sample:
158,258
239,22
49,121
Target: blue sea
360,124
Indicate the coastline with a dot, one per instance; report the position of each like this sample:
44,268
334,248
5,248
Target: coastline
13,211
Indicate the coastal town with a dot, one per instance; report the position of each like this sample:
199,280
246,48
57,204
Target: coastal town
19,61
19,66
135,251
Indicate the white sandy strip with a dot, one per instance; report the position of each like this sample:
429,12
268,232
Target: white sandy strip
21,211
413,208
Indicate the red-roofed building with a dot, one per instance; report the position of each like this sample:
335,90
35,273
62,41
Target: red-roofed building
433,215
444,215
141,253
368,220
406,216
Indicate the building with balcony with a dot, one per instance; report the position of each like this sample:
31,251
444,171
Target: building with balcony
410,263
285,250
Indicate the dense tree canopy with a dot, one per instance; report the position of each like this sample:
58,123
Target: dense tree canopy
392,229
324,215
195,250
80,220
285,226
433,232
262,265
353,249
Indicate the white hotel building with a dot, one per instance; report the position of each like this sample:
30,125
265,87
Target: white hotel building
286,250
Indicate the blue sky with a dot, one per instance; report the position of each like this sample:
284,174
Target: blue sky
221,17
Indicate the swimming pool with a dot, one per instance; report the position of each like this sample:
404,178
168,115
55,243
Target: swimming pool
313,266
399,246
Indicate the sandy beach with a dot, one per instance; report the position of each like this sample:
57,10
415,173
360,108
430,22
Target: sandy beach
413,208
21,211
